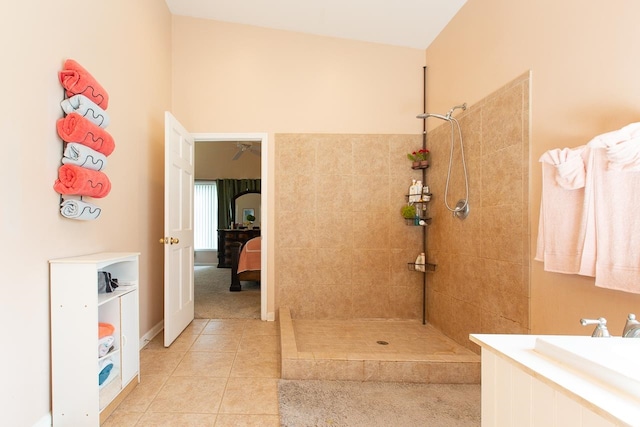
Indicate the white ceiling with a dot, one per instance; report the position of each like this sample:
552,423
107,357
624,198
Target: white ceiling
409,23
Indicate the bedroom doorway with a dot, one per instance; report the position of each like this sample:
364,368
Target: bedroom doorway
234,150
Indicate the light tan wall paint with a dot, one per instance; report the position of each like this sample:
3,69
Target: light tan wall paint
584,83
232,78
125,45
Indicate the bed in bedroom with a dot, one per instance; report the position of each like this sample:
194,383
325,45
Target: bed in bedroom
245,263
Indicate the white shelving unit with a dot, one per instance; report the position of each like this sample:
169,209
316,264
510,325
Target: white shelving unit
76,310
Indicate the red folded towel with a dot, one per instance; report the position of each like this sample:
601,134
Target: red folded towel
76,80
81,181
75,128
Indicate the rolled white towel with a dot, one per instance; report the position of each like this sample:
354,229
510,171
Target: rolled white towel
77,209
81,155
86,108
104,344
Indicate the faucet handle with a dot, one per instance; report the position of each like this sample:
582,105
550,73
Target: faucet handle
601,326
631,325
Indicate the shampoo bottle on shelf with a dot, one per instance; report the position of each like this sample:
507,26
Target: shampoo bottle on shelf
420,262
412,191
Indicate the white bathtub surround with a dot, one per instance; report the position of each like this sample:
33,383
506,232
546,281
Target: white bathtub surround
555,384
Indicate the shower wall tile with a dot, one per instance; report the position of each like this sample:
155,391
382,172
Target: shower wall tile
370,157
502,119
481,284
406,302
297,156
331,193
371,229
333,267
333,302
296,229
334,154
370,192
342,248
501,233
335,230
502,171
295,192
338,226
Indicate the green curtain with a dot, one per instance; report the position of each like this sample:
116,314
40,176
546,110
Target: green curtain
227,189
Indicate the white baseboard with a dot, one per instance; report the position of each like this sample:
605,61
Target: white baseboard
45,421
144,340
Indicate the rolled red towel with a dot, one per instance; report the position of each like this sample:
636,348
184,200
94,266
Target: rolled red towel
75,128
76,80
81,181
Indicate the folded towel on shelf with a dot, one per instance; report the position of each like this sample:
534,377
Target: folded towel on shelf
105,329
104,345
81,155
77,80
80,181
77,209
75,128
104,369
88,109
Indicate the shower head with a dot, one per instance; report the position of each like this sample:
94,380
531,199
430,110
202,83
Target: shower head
440,116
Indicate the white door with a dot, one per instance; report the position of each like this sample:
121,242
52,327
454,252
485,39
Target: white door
178,228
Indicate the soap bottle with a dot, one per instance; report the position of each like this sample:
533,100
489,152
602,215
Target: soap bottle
418,193
426,194
420,262
412,191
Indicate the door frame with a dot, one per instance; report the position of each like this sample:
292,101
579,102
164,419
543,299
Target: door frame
263,138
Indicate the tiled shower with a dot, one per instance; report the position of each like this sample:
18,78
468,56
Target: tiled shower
342,248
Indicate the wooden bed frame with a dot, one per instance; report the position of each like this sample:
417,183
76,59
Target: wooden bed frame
252,275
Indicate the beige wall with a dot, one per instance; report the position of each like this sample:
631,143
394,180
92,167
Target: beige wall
584,82
237,78
124,45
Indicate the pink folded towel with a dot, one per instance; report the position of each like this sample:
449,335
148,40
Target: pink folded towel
75,128
76,80
81,181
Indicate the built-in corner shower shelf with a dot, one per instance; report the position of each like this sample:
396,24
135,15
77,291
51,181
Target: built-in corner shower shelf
421,268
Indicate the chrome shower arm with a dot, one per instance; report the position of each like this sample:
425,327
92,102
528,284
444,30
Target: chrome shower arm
462,107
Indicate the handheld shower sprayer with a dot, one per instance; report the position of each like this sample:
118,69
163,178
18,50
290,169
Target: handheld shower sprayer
461,210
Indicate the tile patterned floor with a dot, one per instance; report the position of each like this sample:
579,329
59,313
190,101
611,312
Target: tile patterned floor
217,373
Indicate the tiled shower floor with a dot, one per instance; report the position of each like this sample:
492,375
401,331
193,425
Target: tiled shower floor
350,350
